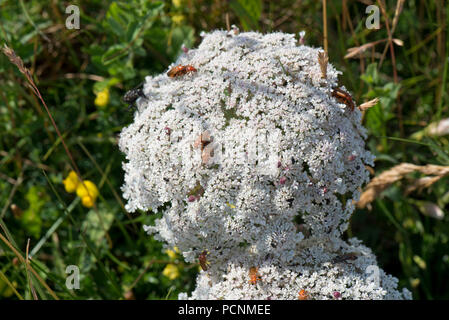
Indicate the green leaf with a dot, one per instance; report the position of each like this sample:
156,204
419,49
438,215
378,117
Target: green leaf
31,218
132,31
371,76
114,52
97,223
248,11
115,20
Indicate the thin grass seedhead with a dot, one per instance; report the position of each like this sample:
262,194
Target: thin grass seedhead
387,178
323,60
18,62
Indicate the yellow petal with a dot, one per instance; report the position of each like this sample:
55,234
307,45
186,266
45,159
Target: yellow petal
171,253
102,98
71,182
88,188
171,271
72,176
69,185
177,3
87,201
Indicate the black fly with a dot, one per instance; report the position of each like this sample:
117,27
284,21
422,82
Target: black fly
351,256
132,95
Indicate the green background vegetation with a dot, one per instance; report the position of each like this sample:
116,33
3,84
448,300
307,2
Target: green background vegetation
118,44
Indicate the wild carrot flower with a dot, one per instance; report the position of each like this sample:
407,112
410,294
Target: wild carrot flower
230,205
265,103
336,294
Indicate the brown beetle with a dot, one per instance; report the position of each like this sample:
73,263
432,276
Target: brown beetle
203,260
180,70
343,97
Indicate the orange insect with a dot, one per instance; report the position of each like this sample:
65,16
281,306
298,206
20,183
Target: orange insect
180,70
203,260
303,295
204,142
344,97
254,275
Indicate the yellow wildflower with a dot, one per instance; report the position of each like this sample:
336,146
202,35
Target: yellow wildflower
87,201
177,3
88,193
71,182
86,190
102,98
177,18
171,271
172,253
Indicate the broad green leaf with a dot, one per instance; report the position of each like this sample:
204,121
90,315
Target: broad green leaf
114,52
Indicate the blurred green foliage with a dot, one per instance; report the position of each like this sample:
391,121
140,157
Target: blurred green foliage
121,42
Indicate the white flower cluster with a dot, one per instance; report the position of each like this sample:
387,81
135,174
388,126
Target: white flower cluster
251,157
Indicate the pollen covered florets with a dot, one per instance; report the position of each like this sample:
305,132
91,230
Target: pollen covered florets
239,151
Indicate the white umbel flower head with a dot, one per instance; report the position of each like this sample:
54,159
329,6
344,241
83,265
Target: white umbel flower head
251,157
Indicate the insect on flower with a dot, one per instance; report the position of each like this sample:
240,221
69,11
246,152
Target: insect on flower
343,97
203,260
180,70
351,256
132,95
204,142
254,275
303,295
